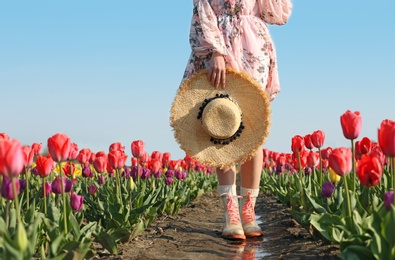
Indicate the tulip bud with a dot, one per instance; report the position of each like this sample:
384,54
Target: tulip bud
22,241
76,202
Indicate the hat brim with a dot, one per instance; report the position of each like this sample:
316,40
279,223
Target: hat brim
193,139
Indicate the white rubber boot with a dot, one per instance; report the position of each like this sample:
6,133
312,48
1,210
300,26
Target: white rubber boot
247,209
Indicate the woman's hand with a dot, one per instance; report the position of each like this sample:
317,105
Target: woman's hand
217,70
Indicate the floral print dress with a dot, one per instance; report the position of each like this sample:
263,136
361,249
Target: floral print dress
237,29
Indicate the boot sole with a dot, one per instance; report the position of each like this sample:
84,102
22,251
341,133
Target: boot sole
234,237
254,234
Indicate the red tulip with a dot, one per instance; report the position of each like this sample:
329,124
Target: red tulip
174,164
144,158
157,155
68,168
137,148
351,123
386,137
116,147
84,155
12,159
4,136
73,152
312,159
340,160
326,152
166,158
36,148
154,165
117,159
59,146
134,161
307,142
318,138
28,153
44,165
365,145
369,170
297,143
100,163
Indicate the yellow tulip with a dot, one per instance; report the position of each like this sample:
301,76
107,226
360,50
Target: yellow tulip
333,176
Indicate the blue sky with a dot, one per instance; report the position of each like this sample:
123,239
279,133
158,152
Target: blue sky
107,71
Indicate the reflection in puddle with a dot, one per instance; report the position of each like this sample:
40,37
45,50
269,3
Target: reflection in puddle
251,248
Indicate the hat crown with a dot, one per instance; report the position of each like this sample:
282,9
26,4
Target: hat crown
221,118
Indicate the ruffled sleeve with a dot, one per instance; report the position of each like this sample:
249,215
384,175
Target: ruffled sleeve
205,36
275,11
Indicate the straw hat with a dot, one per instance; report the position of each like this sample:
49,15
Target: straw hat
221,127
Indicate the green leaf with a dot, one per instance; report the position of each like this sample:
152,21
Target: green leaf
74,225
107,241
355,252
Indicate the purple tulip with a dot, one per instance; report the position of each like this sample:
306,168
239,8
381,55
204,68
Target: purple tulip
169,173
57,185
76,202
388,199
146,173
92,189
198,167
158,174
180,175
126,172
6,189
327,189
307,170
279,168
135,171
101,179
168,180
87,172
48,189
22,184
69,185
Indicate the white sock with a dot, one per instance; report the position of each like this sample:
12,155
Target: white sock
244,192
227,189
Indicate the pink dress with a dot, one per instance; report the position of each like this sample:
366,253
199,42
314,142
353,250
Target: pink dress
237,29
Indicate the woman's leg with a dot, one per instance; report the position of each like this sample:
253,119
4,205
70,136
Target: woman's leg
250,180
227,190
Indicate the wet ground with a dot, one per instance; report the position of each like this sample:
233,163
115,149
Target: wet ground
195,234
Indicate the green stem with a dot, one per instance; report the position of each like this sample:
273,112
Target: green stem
16,199
27,188
347,197
45,196
392,162
64,199
353,166
321,176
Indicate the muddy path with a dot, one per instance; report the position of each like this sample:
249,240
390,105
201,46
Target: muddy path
195,234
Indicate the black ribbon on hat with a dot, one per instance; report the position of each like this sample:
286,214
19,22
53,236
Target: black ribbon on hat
214,140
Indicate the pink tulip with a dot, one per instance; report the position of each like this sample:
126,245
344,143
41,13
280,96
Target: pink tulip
12,159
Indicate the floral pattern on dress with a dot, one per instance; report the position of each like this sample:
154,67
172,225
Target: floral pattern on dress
237,29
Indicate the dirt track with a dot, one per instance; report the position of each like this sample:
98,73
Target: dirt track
195,234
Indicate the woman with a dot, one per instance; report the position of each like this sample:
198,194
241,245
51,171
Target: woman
233,33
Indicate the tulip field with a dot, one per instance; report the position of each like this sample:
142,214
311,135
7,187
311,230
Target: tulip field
66,202
57,204
344,195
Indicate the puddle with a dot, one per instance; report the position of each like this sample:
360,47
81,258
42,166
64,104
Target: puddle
251,248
